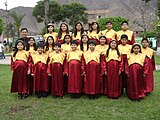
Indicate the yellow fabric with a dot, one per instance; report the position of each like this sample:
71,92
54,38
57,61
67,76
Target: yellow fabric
93,35
21,55
49,51
63,34
54,35
136,58
66,47
78,37
109,33
40,58
74,55
113,56
84,47
129,33
31,50
124,49
101,49
56,57
148,52
92,55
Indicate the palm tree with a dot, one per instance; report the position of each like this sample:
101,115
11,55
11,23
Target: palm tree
46,10
17,21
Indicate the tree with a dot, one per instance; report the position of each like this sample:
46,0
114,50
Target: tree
1,26
17,21
46,11
53,14
116,21
74,12
158,9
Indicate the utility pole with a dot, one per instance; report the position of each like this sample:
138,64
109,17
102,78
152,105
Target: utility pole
7,32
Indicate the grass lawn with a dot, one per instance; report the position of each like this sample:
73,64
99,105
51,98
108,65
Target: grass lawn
157,59
69,109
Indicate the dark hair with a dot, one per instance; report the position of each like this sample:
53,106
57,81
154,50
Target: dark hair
102,36
81,43
75,31
108,22
124,36
40,45
98,29
74,42
24,29
124,22
134,46
16,49
92,42
28,46
107,52
49,26
57,44
47,44
145,39
60,30
65,38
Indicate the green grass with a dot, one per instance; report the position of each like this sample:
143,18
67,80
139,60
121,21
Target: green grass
157,59
69,109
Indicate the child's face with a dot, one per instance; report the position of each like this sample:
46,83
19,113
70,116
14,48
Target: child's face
40,50
20,46
31,42
102,41
124,41
113,44
109,26
85,39
67,39
94,26
145,44
78,27
50,28
50,41
92,47
124,26
56,48
73,47
63,27
136,49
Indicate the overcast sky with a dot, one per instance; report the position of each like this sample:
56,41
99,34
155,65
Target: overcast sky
16,3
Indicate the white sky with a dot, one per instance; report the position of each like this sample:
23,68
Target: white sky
16,3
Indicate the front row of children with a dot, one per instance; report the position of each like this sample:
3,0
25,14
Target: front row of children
90,72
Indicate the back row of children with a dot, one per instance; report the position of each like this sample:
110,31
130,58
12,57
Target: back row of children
90,68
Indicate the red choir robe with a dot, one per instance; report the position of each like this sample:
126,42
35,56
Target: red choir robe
113,83
124,50
41,82
73,69
94,36
55,68
137,66
149,79
129,33
109,34
19,66
92,68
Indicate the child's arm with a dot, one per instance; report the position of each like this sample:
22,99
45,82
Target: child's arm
145,68
103,64
121,66
83,65
127,67
12,64
66,65
153,63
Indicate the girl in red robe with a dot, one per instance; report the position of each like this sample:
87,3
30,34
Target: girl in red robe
84,43
55,69
149,79
112,84
49,45
137,69
19,67
73,70
31,48
39,71
66,44
92,71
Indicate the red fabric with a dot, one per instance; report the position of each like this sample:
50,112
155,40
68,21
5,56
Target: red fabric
57,82
109,40
19,77
113,83
74,76
96,40
93,79
41,82
130,42
60,41
149,79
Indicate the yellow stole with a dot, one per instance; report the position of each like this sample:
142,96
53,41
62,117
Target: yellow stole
56,57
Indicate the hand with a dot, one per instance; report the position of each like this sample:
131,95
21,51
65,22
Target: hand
12,71
28,72
128,75
65,73
144,75
32,74
119,72
105,72
49,74
83,74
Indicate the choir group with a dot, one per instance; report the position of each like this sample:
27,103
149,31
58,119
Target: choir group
92,62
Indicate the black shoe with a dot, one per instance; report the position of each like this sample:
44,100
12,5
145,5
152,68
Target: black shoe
148,93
